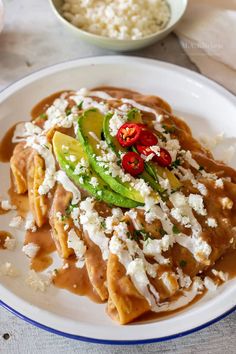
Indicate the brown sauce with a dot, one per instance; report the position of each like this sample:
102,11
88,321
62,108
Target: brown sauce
3,236
42,238
43,105
20,201
227,263
3,211
6,145
75,280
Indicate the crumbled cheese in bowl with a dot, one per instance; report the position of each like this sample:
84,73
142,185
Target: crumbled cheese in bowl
126,19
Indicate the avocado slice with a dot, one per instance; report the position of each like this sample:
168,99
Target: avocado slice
90,129
65,146
113,143
152,169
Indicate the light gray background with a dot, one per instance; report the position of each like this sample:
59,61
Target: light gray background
33,38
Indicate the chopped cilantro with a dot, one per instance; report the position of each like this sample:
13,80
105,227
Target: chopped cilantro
70,208
162,232
168,129
80,105
182,263
176,163
175,230
103,224
68,111
141,233
43,116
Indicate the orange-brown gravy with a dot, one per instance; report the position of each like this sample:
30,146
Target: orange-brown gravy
6,145
43,105
19,200
227,263
75,280
3,236
3,211
42,238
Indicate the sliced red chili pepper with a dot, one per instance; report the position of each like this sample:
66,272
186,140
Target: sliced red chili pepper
144,150
163,159
147,138
128,134
133,163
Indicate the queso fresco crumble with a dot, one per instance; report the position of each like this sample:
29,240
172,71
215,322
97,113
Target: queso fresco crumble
120,19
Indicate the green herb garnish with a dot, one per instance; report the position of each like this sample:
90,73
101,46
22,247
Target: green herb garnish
43,116
70,208
176,163
141,234
168,129
175,230
162,232
182,263
80,105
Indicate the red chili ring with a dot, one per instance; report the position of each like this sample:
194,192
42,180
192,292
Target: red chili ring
133,163
163,159
147,138
128,134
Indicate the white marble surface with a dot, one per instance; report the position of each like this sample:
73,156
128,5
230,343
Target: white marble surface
33,38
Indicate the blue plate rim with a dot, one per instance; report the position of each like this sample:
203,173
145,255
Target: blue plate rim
116,342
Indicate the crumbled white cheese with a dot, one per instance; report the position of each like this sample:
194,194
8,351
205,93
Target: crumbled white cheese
116,121
226,203
196,202
211,222
219,183
81,167
210,284
16,222
30,223
10,243
118,19
6,205
94,182
113,220
72,158
76,244
30,249
8,269
222,275
37,282
190,160
184,280
202,188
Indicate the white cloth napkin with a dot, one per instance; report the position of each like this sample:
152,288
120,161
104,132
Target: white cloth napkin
208,35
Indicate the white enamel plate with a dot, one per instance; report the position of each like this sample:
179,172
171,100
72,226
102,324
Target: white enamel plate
208,109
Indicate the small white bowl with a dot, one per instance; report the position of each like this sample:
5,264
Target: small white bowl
177,8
